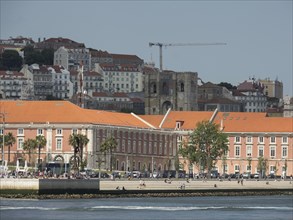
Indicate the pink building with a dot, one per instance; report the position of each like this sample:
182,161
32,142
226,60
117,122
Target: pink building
146,142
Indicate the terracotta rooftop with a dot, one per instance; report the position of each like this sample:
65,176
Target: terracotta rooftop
61,112
9,73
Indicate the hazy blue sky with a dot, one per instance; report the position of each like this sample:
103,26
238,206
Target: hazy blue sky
258,33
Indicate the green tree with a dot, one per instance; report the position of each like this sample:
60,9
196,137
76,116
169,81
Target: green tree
11,60
229,86
108,146
43,57
48,56
262,164
78,141
9,141
224,162
177,164
41,143
206,144
29,145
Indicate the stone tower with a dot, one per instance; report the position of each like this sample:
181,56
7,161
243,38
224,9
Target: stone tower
168,89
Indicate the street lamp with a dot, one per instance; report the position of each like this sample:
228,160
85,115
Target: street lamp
84,99
3,140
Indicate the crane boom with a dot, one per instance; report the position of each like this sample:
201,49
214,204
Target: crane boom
178,44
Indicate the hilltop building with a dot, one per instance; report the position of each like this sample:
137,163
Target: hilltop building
168,89
99,56
272,88
71,58
12,84
212,96
48,81
251,95
92,81
56,43
288,107
121,77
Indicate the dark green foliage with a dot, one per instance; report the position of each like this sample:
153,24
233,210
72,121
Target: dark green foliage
205,146
10,60
108,146
44,57
229,86
78,141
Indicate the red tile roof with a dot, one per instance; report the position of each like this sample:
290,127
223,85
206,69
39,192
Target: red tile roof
63,112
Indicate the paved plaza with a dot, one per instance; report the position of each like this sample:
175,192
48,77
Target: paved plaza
161,184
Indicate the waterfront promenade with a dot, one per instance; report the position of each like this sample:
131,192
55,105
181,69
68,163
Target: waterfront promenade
160,184
136,188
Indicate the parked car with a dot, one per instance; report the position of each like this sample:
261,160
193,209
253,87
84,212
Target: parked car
116,175
225,175
271,176
246,175
135,174
214,174
255,175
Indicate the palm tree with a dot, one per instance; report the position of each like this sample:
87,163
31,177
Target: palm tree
9,141
78,141
41,143
29,145
83,141
108,146
1,143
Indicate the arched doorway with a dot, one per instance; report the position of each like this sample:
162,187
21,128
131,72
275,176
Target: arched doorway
165,106
59,158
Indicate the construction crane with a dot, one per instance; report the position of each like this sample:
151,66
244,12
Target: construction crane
178,44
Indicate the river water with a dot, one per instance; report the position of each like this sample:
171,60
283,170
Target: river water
210,207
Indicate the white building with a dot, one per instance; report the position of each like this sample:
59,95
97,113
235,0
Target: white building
49,81
62,86
71,58
121,77
250,94
288,107
12,84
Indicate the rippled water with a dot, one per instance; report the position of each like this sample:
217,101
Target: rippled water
238,207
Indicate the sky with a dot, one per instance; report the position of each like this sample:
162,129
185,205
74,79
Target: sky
258,34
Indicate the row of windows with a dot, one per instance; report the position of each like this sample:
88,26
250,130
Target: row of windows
120,79
61,76
248,168
121,85
117,74
261,151
13,82
59,144
252,98
20,131
261,139
103,134
255,110
151,147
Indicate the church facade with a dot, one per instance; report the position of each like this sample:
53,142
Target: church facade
168,89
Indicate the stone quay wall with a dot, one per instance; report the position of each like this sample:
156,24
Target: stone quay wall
49,186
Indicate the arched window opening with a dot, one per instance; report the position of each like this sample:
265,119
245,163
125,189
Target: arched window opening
182,87
153,88
165,88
